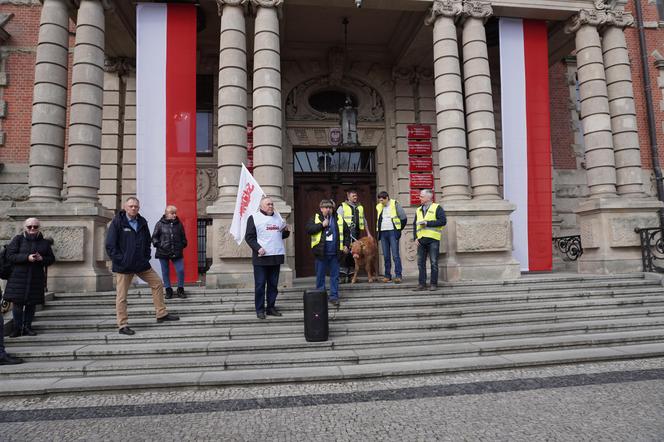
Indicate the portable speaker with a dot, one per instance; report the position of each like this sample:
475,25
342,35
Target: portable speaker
316,327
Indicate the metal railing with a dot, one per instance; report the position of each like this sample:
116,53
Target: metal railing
204,262
569,246
652,248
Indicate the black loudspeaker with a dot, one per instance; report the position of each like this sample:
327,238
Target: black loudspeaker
316,326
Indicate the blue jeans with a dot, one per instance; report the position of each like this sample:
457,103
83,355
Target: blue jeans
323,264
166,271
390,243
23,315
266,275
431,249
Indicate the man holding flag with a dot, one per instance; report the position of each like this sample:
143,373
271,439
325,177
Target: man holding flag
265,233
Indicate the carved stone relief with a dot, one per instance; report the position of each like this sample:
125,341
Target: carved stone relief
206,185
622,230
227,247
370,104
68,242
483,236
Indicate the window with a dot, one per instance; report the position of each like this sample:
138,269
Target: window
660,9
330,101
204,115
328,161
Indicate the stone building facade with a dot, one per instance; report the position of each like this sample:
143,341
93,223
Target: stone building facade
274,68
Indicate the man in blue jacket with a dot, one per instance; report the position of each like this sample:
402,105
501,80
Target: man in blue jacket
128,243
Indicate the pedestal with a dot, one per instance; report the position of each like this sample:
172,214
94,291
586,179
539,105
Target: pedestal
79,232
609,242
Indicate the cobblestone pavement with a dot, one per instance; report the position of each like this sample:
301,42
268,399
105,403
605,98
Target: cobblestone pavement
609,401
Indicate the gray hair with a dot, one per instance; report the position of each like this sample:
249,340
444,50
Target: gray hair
428,192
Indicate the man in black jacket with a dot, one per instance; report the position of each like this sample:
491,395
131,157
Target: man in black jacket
265,234
128,244
330,238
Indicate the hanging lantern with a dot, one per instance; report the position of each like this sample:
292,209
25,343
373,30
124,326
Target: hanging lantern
348,124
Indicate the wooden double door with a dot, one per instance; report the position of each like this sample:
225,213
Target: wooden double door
310,189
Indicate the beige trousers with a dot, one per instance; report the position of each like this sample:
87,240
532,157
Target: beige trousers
123,281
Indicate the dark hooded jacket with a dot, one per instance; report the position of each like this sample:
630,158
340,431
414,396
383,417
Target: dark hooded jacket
169,238
27,281
129,250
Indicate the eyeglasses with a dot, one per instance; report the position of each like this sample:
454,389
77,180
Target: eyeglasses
32,227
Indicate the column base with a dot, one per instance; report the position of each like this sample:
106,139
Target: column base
79,232
231,263
610,244
477,241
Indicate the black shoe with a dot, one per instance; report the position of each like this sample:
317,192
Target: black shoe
28,331
335,302
5,359
15,333
260,315
180,293
126,331
433,288
169,293
420,288
272,311
168,317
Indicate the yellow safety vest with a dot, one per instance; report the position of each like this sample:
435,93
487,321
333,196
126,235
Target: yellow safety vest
348,214
395,218
315,238
424,231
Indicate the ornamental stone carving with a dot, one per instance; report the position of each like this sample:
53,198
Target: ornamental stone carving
591,17
206,184
622,230
619,19
445,8
483,236
119,65
68,242
477,9
222,3
370,105
8,230
401,73
227,247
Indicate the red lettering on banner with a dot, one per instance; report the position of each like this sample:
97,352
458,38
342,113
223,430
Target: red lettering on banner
246,198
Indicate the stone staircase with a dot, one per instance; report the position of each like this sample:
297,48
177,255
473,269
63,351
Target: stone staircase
379,330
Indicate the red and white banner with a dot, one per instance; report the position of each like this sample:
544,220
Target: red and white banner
247,202
166,118
524,73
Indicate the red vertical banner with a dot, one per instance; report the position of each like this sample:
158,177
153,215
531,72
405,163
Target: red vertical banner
181,126
539,145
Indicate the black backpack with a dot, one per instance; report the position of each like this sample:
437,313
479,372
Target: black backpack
5,265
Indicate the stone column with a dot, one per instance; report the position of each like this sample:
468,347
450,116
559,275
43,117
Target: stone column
267,116
404,115
595,113
607,223
49,108
450,124
232,98
479,102
87,92
629,179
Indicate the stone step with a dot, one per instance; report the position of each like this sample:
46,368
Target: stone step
141,358
210,378
248,325
356,335
355,301
367,289
436,306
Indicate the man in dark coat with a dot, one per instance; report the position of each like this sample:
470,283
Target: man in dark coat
265,234
30,253
128,245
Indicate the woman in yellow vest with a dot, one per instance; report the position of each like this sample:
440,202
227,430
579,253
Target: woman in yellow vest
427,232
330,238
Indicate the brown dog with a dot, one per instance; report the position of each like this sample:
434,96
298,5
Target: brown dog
364,252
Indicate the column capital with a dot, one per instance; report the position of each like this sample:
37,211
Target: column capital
222,3
121,65
444,8
267,3
591,17
477,9
619,19
402,73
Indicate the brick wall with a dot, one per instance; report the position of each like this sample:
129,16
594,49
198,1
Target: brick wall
562,137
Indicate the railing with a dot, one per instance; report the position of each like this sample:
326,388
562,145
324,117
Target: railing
652,248
203,261
569,246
